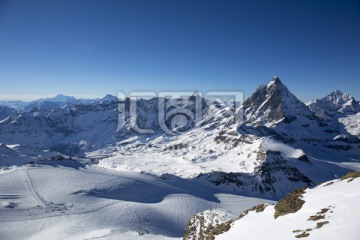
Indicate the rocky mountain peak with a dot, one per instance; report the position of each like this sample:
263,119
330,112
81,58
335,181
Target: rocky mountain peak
339,97
275,81
273,103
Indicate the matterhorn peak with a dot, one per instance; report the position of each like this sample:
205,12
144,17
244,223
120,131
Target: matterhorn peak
275,81
196,93
196,96
272,104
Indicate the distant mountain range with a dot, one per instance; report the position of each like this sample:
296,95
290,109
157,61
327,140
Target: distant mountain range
280,143
57,101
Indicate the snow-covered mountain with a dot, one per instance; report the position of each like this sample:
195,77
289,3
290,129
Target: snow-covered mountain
109,99
261,151
279,145
272,104
59,100
67,128
273,111
340,111
336,103
5,112
16,104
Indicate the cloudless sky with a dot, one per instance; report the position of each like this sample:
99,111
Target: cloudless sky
95,47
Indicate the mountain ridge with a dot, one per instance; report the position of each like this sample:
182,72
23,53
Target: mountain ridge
286,126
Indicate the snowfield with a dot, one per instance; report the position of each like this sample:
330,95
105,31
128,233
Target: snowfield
202,156
352,124
56,202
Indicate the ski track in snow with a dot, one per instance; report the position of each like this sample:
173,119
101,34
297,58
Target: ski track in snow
42,225
33,191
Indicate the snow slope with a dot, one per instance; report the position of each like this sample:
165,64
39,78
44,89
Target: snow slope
352,124
334,203
56,202
17,155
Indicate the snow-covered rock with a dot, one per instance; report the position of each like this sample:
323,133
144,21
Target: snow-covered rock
202,224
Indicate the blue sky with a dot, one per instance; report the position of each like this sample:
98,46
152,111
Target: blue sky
91,48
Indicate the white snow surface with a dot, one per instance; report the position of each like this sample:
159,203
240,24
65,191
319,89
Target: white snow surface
56,202
202,155
352,124
341,198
